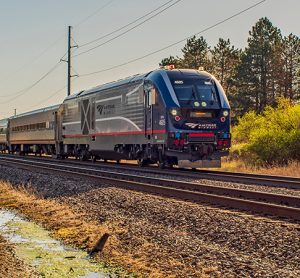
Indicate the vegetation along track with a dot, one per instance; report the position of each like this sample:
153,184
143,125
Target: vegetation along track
253,201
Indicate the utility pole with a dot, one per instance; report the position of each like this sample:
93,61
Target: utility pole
69,61
15,113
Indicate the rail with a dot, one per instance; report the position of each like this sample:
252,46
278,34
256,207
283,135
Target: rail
254,201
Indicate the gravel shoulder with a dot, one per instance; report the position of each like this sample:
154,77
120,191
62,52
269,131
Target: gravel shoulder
161,237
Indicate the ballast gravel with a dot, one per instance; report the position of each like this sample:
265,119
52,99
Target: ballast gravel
180,239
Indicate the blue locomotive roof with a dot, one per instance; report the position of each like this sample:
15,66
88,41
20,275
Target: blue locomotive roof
161,78
180,73
134,78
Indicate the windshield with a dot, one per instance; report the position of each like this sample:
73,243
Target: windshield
195,92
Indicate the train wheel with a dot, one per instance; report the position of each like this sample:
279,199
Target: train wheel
82,157
141,162
161,164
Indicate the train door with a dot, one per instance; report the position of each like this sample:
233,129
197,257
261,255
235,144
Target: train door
149,101
8,135
57,125
87,116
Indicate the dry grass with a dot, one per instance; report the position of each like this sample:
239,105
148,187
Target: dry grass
10,265
72,228
156,237
292,169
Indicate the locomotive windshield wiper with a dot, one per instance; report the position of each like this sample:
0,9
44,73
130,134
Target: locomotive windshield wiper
193,96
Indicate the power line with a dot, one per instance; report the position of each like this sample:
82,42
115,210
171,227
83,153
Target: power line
39,80
45,51
24,91
52,95
173,44
36,57
123,27
94,13
49,97
134,27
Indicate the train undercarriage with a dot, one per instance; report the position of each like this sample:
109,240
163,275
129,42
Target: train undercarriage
190,155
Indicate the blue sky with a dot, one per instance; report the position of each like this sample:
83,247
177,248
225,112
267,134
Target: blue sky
34,38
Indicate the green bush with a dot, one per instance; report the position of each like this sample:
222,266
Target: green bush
270,138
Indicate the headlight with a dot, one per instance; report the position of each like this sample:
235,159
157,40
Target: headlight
225,113
173,112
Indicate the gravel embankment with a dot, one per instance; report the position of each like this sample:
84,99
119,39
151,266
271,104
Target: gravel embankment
177,238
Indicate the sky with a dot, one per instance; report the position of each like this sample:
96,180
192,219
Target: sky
34,39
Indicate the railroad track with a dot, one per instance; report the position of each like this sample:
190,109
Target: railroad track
233,177
252,201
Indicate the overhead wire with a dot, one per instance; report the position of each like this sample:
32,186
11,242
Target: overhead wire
23,91
18,93
125,32
49,97
52,95
36,57
94,13
125,26
180,41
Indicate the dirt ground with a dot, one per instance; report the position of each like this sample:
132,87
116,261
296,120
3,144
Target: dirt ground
155,236
10,265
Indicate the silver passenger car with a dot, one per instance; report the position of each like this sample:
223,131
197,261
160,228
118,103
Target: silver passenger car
34,132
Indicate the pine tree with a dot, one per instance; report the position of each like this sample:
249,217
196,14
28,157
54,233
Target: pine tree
195,53
267,68
291,67
245,95
171,61
256,71
225,59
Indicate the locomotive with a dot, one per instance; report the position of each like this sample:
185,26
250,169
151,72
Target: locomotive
167,116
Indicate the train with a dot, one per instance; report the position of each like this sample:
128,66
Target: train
167,117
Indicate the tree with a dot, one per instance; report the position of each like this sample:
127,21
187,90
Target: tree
268,68
291,67
255,74
195,53
243,100
225,59
171,61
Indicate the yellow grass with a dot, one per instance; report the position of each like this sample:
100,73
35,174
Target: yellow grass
73,229
292,169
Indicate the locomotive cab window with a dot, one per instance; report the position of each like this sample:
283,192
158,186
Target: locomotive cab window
191,91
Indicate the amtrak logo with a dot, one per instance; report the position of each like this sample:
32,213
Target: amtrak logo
191,125
201,126
106,109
